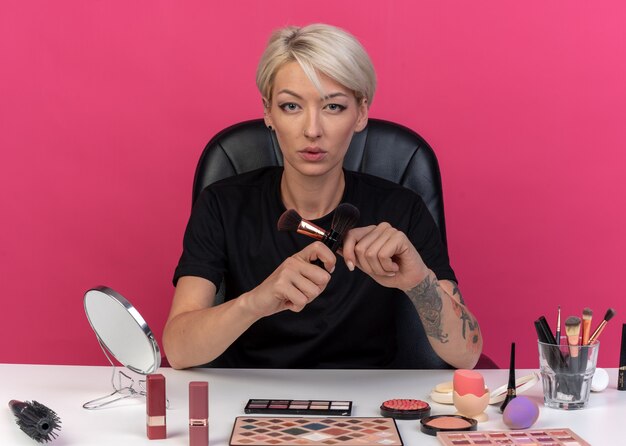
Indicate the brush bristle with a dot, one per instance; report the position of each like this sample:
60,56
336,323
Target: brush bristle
289,221
587,314
345,218
572,325
609,314
38,422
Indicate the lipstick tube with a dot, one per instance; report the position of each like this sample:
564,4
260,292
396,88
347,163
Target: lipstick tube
621,374
198,413
155,407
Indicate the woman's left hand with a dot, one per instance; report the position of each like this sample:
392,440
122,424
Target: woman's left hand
385,254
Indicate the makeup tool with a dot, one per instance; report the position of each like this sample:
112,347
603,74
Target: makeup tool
621,374
442,393
124,336
470,396
511,388
198,413
543,331
405,409
155,407
299,407
344,219
520,413
551,437
607,317
36,420
587,316
438,424
276,431
572,329
558,326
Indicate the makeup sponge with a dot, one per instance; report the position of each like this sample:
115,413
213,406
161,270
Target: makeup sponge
468,381
520,413
600,380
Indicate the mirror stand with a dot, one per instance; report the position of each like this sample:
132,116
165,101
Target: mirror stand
121,391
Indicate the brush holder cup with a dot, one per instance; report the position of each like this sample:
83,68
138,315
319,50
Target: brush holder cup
566,373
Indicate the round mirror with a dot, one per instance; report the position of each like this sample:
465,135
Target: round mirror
121,330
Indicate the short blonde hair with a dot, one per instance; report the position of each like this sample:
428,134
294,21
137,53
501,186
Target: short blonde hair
318,48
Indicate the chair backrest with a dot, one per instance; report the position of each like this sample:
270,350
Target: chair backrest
384,149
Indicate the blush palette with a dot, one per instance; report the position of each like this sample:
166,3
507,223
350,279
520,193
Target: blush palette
299,407
548,437
273,431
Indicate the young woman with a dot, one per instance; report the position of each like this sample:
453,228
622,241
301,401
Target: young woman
281,310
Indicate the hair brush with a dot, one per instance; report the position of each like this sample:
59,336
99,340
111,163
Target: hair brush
36,420
345,218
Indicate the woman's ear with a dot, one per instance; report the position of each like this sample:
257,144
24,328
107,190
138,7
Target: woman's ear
362,117
267,116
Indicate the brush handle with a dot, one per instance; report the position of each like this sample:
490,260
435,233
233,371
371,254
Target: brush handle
597,333
17,407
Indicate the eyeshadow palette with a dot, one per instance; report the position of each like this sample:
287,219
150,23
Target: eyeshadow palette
272,431
548,437
299,407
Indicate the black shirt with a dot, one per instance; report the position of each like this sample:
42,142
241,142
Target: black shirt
232,235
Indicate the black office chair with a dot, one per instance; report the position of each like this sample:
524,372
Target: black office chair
384,149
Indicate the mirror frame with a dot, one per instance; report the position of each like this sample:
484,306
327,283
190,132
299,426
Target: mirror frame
139,320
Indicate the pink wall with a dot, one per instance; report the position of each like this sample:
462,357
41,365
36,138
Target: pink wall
105,107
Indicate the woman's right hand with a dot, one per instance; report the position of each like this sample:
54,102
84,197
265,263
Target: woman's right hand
294,284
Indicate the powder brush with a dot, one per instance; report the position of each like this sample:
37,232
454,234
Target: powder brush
345,218
36,420
607,317
290,221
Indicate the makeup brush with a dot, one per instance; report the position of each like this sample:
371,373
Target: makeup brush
607,317
587,315
346,216
36,420
511,388
290,221
558,327
572,328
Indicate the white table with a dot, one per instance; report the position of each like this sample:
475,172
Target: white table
65,388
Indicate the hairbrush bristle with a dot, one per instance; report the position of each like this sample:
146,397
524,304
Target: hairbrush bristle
609,314
587,314
36,420
289,221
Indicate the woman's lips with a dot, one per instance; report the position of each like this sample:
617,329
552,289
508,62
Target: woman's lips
312,154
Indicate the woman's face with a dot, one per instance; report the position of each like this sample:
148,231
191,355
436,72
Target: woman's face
313,132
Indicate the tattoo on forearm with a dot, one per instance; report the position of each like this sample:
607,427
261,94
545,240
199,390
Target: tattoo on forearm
427,299
425,296
457,292
470,328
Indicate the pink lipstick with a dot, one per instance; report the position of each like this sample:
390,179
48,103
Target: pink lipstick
198,413
155,406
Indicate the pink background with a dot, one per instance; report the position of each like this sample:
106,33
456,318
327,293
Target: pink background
105,107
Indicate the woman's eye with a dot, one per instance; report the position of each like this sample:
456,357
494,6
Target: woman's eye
289,106
336,107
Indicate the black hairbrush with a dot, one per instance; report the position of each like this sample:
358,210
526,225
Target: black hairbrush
36,420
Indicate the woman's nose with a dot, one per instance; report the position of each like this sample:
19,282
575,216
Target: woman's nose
312,125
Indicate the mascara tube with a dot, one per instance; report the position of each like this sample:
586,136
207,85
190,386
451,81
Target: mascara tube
621,376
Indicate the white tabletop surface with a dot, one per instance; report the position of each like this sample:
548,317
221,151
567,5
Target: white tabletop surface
65,389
